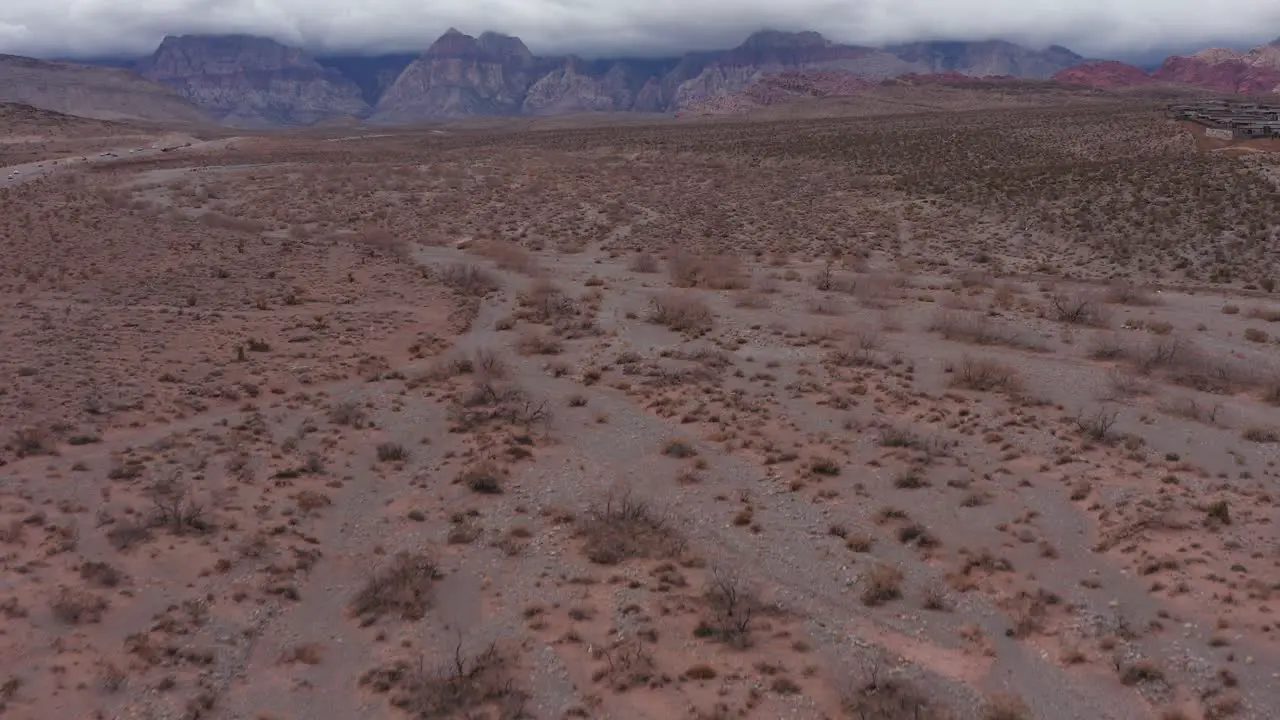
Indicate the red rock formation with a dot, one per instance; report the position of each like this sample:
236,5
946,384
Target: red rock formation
1104,74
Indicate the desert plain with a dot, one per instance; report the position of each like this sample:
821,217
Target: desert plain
946,403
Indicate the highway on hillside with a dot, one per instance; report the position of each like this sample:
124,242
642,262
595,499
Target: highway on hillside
16,174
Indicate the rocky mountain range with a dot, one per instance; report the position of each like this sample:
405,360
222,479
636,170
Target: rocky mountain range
251,81
1256,71
256,82
248,81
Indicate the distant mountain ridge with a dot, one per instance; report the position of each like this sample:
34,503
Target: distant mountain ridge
250,81
1255,71
257,82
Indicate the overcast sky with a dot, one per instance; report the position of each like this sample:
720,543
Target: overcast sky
1099,28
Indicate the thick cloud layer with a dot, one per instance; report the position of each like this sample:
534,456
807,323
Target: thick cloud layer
77,28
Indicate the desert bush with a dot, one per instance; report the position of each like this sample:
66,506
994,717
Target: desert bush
1256,335
74,606
34,440
533,343
643,263
877,698
456,688
401,588
1190,408
881,584
468,280
733,606
1005,707
681,312
978,329
1078,308
1098,425
507,255
986,376
392,452
625,527
1125,292
484,477
546,302
1124,383
826,305
1267,314
1261,434
715,272
1107,346
226,222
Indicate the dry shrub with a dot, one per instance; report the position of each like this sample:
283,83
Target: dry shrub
34,440
978,329
226,222
1078,308
1126,383
1255,335
891,699
858,351
348,413
545,302
402,588
733,606
826,305
1261,434
461,686
484,477
534,343
468,280
682,312
986,376
644,263
1108,346
380,241
507,255
74,606
1261,313
1125,292
1190,408
625,527
882,584
714,272
1005,707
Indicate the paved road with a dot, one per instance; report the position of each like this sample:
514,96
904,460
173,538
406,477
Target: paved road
16,174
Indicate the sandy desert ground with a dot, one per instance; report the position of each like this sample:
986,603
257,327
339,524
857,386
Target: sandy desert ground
940,415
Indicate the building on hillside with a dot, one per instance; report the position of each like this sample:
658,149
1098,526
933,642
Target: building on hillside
1245,121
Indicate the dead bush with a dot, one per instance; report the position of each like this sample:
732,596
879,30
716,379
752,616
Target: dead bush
1005,707
714,272
380,241
1126,292
533,343
546,302
74,606
234,224
349,413
1098,425
1256,336
1078,308
461,686
484,477
978,329
881,584
402,588
733,605
507,255
986,376
1261,434
681,312
1107,346
1190,408
34,440
468,280
644,263
877,698
625,527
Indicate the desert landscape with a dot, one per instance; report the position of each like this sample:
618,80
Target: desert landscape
935,401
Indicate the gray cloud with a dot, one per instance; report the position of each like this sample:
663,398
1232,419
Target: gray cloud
1094,27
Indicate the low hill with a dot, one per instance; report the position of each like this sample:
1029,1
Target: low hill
92,92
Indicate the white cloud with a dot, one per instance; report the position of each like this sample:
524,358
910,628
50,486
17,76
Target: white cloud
1095,27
